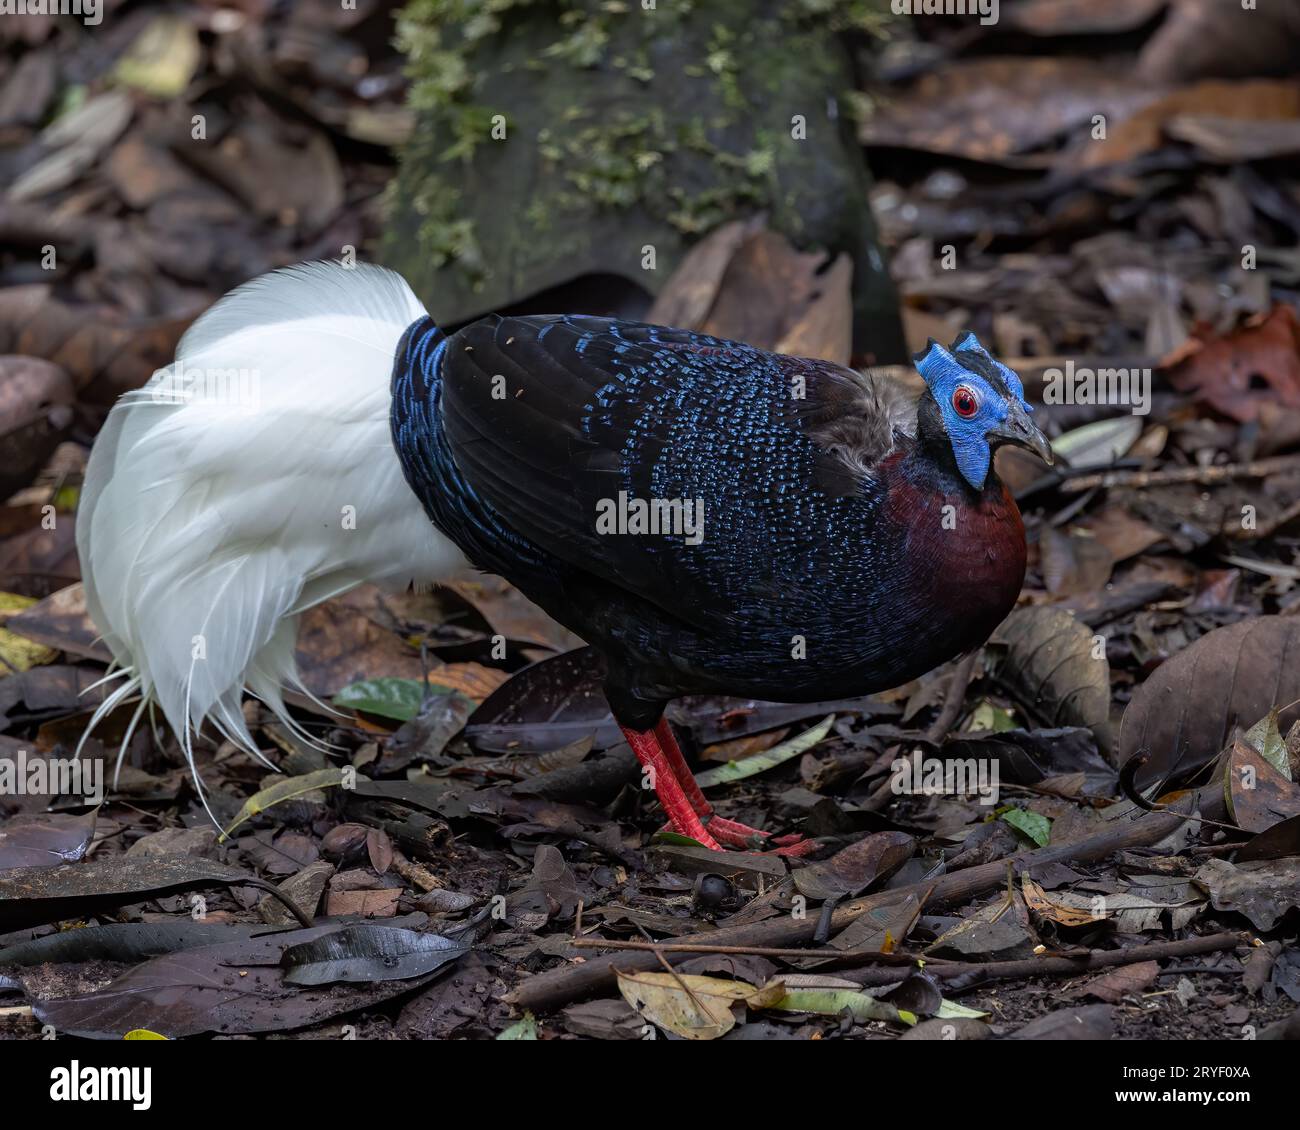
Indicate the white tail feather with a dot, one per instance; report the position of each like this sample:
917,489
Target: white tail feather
248,481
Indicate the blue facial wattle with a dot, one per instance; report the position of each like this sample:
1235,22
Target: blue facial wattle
969,365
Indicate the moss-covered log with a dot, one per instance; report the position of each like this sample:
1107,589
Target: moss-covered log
560,138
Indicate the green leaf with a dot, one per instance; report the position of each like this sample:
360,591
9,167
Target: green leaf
389,697
525,1028
951,1010
988,718
833,1002
779,754
676,839
1037,828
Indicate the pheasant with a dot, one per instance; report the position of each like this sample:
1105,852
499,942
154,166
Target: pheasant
710,517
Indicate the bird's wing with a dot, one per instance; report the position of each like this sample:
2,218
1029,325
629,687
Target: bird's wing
551,419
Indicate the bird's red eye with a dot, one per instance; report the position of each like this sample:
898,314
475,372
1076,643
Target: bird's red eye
964,402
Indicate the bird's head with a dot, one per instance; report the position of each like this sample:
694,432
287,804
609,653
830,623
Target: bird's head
981,405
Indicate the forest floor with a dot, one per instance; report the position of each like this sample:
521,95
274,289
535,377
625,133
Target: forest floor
479,829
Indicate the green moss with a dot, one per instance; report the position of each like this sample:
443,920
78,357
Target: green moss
669,114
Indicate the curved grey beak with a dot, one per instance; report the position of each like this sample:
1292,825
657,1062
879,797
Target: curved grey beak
1019,429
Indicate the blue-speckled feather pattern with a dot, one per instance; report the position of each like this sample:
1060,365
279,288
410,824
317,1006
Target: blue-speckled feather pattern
806,583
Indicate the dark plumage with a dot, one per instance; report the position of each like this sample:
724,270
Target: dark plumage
826,566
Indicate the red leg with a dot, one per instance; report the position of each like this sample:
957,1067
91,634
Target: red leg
668,743
728,832
684,819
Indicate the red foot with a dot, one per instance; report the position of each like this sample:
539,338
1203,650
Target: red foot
731,834
682,817
689,812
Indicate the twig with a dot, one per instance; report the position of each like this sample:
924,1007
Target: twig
1266,528
764,951
1202,476
1064,966
954,697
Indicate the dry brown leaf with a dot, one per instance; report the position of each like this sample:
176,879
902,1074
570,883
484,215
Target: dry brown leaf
1011,106
1126,981
1185,712
1204,38
1238,374
1143,131
745,283
1044,906
1259,796
1082,17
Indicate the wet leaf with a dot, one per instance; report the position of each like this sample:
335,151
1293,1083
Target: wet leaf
235,987
368,953
993,932
45,839
1018,105
1028,757
550,703
127,943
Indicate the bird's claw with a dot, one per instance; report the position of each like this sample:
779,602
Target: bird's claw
734,834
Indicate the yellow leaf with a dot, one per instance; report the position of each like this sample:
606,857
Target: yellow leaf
16,652
281,791
163,58
698,1008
